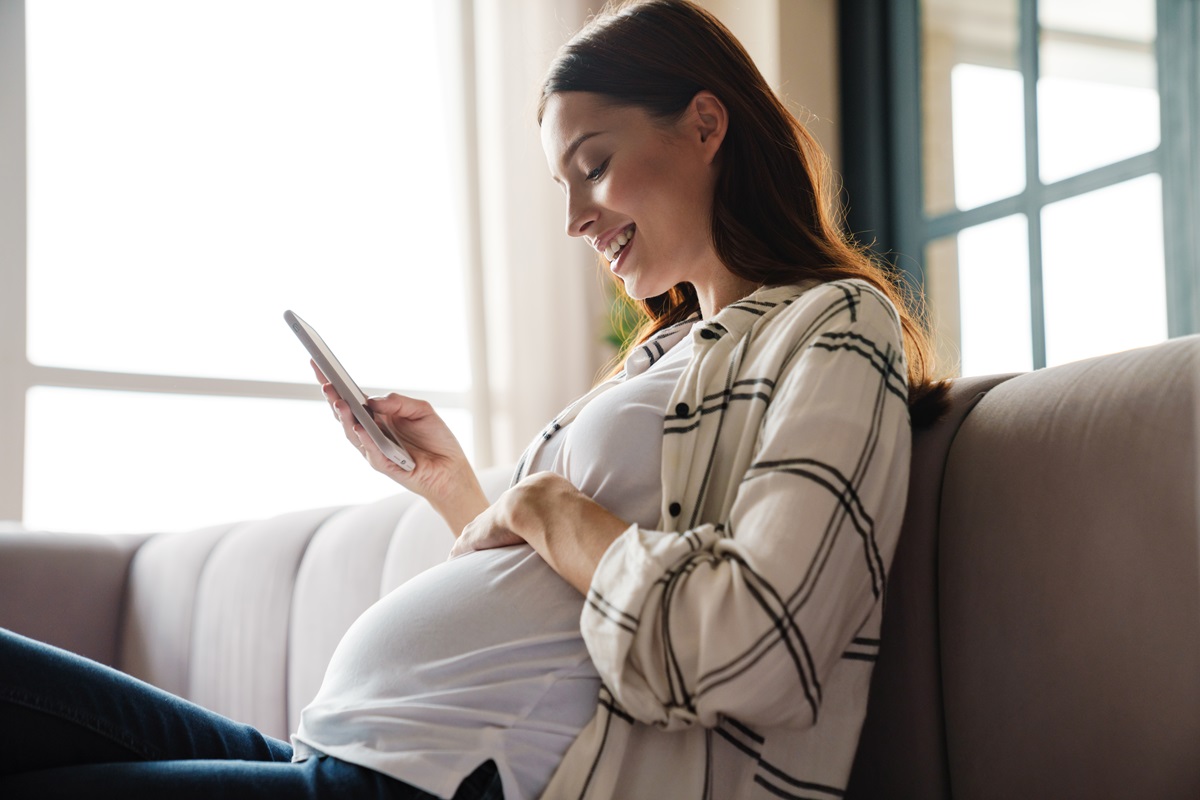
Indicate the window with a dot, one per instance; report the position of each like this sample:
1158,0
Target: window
193,170
1036,164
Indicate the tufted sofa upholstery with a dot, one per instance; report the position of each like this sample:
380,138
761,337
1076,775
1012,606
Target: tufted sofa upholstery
241,618
1041,637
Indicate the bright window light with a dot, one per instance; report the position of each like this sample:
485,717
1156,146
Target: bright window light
1104,293
993,279
196,167
131,462
989,134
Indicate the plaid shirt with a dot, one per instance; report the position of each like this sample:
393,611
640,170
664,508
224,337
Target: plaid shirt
735,642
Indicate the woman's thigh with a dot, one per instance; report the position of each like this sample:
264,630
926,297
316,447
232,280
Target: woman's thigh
70,727
60,709
314,779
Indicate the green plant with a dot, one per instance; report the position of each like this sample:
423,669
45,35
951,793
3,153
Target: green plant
624,319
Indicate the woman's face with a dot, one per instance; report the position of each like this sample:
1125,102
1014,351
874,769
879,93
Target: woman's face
640,191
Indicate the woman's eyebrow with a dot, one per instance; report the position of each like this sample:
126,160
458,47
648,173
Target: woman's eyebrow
574,145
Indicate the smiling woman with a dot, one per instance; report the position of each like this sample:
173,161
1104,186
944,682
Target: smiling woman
681,593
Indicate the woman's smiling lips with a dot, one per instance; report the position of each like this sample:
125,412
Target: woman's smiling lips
610,244
614,265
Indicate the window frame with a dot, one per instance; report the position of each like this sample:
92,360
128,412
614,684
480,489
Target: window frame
18,375
880,46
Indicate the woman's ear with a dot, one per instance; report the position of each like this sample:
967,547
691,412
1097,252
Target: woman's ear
709,120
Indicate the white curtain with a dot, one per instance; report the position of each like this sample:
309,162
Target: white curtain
543,303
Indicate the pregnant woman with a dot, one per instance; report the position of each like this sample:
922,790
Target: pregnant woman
680,595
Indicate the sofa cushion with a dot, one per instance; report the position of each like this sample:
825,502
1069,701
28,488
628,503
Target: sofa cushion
340,578
238,664
160,607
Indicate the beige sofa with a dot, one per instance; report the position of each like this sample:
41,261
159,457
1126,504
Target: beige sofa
1042,633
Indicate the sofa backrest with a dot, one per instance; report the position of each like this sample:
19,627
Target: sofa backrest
244,618
1069,582
1042,631
906,696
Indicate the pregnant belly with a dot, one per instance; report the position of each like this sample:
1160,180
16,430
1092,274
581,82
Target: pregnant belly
479,657
487,636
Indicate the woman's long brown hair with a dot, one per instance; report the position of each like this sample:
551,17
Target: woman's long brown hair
776,219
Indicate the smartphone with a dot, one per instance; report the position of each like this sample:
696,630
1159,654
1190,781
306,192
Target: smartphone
348,390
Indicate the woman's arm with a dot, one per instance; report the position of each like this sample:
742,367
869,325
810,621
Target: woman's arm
566,527
789,505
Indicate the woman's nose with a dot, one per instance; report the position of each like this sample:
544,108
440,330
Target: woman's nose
581,215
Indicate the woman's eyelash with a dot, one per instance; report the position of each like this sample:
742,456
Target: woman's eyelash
598,171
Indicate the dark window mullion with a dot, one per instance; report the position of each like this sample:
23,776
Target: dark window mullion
1099,178
1179,96
908,195
1029,40
955,221
1102,177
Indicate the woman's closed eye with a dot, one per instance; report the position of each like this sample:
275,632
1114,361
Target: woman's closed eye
595,174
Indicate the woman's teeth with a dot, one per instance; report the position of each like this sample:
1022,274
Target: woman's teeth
619,241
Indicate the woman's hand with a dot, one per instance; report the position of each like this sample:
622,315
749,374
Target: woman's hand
566,527
442,474
487,531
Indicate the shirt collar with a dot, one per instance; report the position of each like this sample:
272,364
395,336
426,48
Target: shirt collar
737,318
646,354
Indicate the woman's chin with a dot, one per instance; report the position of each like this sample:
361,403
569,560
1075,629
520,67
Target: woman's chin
640,289
631,289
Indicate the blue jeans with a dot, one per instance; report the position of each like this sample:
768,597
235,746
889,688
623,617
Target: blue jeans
70,727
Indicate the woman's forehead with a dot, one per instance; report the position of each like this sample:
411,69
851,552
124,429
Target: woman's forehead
566,112
570,118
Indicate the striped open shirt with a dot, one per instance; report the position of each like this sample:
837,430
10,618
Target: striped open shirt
735,642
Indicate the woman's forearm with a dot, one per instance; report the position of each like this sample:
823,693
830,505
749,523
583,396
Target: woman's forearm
461,503
567,528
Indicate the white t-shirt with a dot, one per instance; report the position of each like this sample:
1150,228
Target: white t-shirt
481,657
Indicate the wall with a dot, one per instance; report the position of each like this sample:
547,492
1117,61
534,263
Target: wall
794,44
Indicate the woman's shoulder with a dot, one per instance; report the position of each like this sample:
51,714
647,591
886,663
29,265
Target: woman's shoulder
806,309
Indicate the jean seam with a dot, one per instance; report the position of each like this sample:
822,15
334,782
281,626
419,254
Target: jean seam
96,725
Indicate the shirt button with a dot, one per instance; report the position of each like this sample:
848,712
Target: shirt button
675,508
708,333
681,410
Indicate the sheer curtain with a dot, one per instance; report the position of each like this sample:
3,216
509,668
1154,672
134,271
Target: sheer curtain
545,307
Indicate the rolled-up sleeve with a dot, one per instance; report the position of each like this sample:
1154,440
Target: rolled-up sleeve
805,456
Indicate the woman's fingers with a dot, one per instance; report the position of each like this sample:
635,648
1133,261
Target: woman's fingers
330,394
341,410
398,405
485,532
331,397
368,447
378,460
393,407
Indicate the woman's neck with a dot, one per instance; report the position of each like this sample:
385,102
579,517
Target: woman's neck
722,288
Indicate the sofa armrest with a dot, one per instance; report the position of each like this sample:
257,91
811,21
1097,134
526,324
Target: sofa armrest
66,589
